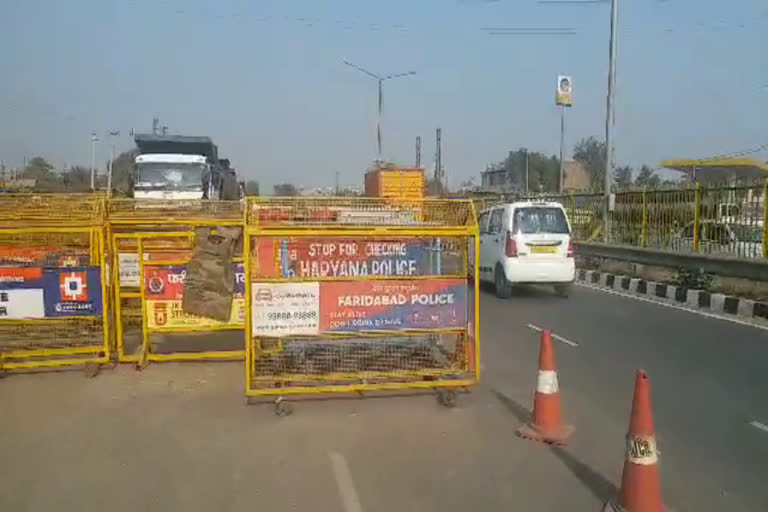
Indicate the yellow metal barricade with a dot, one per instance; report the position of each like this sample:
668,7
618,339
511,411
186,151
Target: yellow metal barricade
152,242
350,295
53,282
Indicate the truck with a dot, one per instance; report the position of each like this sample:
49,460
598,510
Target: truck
181,167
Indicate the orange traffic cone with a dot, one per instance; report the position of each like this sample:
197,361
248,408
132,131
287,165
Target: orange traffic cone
547,424
640,484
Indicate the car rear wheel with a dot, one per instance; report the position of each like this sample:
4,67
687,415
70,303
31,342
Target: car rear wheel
563,290
503,286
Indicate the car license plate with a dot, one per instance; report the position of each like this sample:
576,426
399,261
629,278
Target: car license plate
543,249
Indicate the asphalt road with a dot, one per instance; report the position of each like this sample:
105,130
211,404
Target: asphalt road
180,437
708,378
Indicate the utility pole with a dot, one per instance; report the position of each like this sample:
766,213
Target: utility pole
336,184
94,140
562,148
111,134
609,118
438,159
418,151
526,170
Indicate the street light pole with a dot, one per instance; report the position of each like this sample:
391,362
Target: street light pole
562,147
381,80
609,117
378,124
94,139
111,161
526,171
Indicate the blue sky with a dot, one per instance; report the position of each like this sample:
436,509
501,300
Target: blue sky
265,79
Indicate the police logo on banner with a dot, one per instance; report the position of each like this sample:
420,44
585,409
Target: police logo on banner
156,285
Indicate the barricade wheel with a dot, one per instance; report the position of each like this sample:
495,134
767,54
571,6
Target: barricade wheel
91,369
446,398
283,408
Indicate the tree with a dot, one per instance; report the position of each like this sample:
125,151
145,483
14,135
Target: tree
590,153
647,177
252,188
41,171
76,179
122,172
285,190
623,177
543,170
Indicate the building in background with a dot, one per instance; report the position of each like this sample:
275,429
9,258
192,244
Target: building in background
12,183
495,179
576,177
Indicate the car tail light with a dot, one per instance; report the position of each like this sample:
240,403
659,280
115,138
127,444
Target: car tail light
511,246
571,249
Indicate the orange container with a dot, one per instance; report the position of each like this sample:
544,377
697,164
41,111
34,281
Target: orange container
395,182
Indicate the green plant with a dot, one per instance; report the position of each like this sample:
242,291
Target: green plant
693,279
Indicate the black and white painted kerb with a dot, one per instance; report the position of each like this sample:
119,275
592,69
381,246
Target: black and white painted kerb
715,302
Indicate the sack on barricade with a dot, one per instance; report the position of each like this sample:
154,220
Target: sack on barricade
209,282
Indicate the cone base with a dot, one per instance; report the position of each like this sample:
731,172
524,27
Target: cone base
615,507
558,436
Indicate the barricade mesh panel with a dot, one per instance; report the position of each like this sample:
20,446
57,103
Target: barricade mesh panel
330,309
35,336
356,358
161,211
45,249
50,288
28,210
340,212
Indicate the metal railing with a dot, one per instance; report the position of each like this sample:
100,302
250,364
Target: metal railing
717,220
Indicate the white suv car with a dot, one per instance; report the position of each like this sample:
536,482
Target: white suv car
526,242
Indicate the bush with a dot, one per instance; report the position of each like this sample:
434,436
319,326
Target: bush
693,279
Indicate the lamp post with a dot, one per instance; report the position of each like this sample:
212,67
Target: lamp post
94,140
111,134
381,80
609,120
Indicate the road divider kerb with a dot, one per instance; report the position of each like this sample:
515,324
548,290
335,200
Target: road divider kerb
698,299
752,322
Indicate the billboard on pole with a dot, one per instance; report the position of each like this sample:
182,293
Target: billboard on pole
564,94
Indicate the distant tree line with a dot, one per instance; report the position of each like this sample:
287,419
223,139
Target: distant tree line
77,178
591,154
544,170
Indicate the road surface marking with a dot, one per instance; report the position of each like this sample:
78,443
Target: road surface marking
344,481
759,425
554,336
676,306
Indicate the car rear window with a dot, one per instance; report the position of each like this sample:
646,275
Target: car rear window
540,219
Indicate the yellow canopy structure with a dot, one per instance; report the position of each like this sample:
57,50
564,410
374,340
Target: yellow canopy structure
719,168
